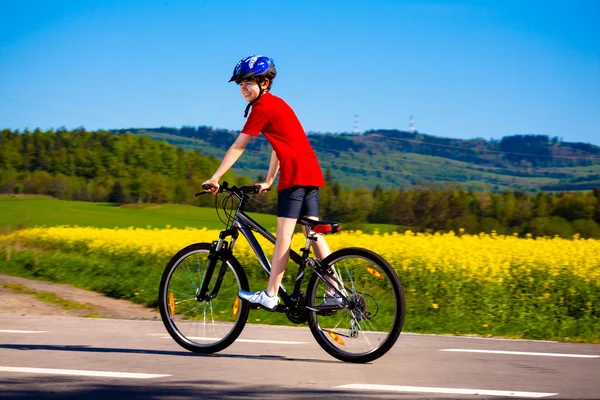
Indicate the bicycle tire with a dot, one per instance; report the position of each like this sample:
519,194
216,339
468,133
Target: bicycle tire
368,329
186,318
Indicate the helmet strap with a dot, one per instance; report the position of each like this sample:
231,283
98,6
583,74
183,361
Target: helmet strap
260,93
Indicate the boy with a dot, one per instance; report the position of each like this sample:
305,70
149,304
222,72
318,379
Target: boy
300,176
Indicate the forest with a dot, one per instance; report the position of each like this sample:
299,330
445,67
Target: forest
102,166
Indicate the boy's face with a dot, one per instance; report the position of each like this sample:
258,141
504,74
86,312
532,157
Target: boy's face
250,90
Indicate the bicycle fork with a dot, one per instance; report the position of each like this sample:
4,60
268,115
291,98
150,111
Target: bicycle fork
219,249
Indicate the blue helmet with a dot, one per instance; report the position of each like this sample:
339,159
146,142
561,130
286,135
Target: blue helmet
253,66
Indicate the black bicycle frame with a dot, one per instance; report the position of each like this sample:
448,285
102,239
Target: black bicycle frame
243,223
246,224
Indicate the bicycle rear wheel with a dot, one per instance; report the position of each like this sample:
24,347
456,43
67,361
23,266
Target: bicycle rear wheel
372,318
202,326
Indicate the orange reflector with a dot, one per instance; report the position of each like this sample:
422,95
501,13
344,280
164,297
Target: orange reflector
236,307
336,338
376,274
172,303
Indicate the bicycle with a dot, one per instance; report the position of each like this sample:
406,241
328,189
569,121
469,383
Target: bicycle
201,310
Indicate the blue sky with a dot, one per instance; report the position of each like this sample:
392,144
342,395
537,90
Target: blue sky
464,69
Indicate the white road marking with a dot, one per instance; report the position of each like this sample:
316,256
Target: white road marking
523,353
421,389
77,372
17,331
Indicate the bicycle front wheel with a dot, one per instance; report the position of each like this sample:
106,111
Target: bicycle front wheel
373,311
202,326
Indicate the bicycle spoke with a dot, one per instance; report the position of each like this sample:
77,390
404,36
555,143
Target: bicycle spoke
187,269
186,282
184,301
191,296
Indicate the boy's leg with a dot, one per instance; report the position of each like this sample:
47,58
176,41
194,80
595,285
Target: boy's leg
281,253
268,299
321,249
320,246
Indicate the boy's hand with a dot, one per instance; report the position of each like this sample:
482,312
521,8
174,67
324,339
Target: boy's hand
214,186
263,187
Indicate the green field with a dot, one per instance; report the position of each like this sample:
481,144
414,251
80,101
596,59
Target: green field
29,211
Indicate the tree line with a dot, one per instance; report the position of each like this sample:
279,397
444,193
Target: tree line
126,168
100,166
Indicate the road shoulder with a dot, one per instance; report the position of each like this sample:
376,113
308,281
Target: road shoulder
14,303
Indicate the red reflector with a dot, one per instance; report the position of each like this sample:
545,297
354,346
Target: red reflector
322,228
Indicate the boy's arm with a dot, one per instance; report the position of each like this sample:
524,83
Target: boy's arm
273,169
234,152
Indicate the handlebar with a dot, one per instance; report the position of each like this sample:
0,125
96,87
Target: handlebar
238,191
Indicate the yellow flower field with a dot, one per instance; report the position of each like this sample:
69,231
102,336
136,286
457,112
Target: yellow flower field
489,284
481,257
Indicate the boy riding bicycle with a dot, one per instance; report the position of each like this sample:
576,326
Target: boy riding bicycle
292,154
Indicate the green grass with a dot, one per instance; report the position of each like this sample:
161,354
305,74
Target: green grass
30,211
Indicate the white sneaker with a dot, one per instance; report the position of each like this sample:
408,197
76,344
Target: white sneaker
260,299
331,299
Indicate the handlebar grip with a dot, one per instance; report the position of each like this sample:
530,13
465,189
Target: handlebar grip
207,186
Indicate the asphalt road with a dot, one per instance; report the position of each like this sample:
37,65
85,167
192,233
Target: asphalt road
74,358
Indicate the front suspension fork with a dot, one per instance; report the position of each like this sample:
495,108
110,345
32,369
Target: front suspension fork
220,249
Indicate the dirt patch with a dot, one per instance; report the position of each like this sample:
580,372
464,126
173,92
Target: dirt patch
98,305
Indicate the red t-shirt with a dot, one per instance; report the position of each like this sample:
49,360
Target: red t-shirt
276,120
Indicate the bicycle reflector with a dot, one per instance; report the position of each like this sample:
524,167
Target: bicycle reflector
322,228
172,303
236,307
327,228
336,337
375,273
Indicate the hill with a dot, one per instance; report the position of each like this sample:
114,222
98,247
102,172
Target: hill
396,159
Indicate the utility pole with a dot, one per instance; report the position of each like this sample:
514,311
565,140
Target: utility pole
355,130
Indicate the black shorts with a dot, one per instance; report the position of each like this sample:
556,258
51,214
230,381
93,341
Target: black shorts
298,201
